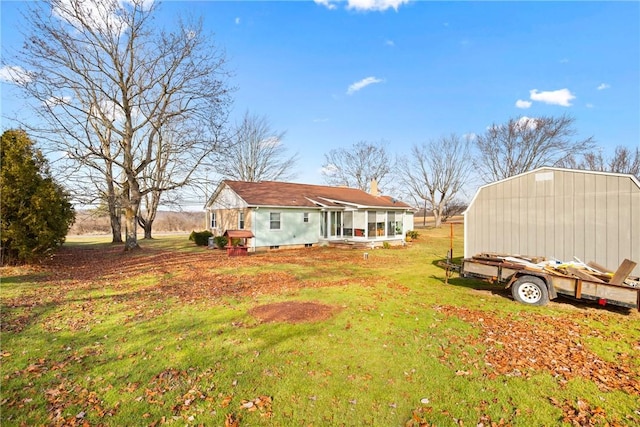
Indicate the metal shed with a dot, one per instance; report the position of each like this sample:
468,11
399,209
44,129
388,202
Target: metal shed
558,213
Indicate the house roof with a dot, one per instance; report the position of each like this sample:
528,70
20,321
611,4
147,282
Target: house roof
287,194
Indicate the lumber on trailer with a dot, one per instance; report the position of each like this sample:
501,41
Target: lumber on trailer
584,275
623,272
599,267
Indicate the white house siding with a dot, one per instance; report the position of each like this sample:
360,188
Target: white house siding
407,222
559,213
228,199
293,230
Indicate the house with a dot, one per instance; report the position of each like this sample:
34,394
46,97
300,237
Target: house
558,213
284,214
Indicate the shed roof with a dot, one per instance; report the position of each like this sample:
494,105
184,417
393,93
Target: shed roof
633,179
287,194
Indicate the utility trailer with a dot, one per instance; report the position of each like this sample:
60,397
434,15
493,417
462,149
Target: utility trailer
535,281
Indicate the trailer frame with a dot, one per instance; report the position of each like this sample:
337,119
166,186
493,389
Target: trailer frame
524,281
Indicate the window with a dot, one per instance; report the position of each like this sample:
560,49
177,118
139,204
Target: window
213,220
347,230
376,224
274,220
240,220
305,217
394,227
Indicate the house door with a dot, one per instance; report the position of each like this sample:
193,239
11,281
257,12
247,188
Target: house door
336,224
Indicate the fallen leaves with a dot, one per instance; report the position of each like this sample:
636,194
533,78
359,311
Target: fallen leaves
261,404
580,413
66,395
522,347
191,277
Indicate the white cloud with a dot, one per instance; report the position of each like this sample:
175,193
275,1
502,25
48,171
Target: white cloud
320,120
329,170
376,5
603,86
520,103
365,5
389,43
362,84
237,21
527,122
589,105
14,74
554,97
98,14
326,3
564,61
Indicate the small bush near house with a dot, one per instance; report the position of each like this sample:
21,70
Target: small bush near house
386,245
220,241
413,234
201,238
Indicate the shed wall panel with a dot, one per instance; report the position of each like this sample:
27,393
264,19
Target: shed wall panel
579,206
634,233
558,213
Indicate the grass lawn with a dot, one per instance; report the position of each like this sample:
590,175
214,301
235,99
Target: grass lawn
175,334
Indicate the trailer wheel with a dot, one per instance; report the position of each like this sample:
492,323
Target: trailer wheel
530,290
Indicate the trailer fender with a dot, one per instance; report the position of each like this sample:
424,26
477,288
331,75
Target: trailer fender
550,289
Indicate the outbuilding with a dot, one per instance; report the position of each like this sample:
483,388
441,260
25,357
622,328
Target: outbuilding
559,214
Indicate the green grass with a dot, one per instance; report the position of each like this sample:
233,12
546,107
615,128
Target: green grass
116,352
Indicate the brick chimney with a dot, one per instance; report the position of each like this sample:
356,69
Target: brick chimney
374,187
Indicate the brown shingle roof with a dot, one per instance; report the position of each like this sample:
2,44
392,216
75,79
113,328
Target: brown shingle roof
287,194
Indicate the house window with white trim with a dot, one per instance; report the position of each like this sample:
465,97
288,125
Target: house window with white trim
213,220
240,220
274,221
305,217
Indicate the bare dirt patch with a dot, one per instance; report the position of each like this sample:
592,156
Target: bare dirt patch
293,312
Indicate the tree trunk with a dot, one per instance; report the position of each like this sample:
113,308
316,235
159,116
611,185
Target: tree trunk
116,227
146,225
437,216
131,226
131,215
147,231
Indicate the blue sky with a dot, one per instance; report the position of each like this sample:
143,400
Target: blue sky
331,74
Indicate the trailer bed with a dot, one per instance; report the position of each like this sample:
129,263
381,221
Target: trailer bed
577,280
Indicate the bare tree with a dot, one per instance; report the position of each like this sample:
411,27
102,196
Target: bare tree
623,160
109,81
436,172
358,165
526,143
453,208
255,153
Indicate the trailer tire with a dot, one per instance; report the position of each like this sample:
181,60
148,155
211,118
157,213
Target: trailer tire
530,290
